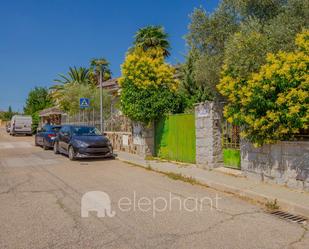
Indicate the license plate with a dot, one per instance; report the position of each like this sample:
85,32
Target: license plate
99,150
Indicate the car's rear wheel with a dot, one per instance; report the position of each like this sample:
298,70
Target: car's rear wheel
71,153
55,148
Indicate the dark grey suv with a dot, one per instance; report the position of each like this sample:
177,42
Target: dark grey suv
82,142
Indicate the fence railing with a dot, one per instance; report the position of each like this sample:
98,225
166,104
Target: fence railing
230,135
112,123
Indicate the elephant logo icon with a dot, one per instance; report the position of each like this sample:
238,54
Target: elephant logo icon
97,201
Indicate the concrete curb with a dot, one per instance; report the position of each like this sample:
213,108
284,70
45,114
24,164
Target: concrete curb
241,193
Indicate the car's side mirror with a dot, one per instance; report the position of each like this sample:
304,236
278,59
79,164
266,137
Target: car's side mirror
105,134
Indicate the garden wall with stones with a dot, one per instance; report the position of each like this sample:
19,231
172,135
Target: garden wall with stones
284,163
140,141
122,141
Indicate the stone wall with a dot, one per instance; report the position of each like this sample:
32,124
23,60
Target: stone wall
285,163
208,119
140,141
122,141
143,138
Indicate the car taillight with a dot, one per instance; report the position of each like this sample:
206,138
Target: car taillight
51,135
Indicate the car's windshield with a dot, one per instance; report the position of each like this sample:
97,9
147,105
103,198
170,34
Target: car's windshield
50,128
86,131
56,128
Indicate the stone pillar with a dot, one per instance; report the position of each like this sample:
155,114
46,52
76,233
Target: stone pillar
148,137
208,119
143,139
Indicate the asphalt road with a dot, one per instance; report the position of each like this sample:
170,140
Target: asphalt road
41,195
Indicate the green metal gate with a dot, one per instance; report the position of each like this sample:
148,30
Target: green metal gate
175,138
230,144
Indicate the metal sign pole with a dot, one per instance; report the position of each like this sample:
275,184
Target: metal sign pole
101,103
93,122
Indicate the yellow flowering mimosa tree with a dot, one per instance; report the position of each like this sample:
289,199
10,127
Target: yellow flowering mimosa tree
148,85
272,104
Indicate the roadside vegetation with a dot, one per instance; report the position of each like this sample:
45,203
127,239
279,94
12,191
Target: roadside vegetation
244,54
273,103
272,205
148,82
80,83
37,100
7,115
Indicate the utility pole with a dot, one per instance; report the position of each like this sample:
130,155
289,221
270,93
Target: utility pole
101,101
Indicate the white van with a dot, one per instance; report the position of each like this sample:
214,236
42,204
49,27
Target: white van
21,125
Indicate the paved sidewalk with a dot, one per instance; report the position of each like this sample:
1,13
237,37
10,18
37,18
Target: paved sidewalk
294,201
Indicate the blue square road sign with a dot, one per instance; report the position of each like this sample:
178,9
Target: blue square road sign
84,102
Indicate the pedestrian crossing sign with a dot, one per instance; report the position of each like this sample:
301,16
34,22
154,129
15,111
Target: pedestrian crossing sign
84,102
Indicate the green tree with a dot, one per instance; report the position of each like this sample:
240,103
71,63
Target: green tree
6,116
149,87
281,30
261,10
37,100
57,93
246,50
206,38
98,65
192,91
66,96
152,37
239,34
78,81
9,114
273,103
268,27
75,75
69,102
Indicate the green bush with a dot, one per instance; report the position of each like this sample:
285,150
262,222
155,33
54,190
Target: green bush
272,104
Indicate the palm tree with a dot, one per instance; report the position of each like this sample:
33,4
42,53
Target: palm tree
75,75
57,93
152,37
98,65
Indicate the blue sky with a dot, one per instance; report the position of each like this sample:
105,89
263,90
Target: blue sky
42,38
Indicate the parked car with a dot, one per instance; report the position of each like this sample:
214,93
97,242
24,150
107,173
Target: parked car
21,125
82,142
7,127
46,135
